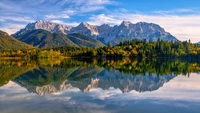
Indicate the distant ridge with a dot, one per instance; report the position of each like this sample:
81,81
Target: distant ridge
198,42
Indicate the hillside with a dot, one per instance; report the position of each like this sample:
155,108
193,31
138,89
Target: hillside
83,40
45,39
7,42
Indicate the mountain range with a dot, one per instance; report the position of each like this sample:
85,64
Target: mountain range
52,34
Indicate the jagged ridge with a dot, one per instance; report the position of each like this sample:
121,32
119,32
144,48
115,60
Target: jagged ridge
106,33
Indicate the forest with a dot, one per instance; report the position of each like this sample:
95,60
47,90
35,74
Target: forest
133,49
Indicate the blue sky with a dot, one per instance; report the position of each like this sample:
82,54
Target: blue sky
179,17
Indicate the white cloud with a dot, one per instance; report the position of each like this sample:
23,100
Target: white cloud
17,19
12,24
85,6
65,23
85,9
69,12
79,7
11,28
57,16
102,18
93,2
57,21
175,11
180,88
100,2
99,93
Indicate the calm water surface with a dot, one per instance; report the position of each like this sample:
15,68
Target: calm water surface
102,87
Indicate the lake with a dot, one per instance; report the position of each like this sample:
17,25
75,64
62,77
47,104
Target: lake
107,86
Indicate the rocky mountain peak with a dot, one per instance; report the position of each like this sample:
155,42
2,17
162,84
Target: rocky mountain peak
86,28
150,26
105,25
41,21
84,24
125,23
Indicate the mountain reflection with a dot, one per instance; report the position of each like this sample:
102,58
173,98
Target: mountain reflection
49,76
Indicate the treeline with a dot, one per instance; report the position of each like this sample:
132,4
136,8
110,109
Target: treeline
159,67
137,49
31,53
125,65
144,49
134,49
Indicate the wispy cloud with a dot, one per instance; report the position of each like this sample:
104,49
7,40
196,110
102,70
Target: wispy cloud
102,19
57,21
59,11
16,19
57,16
85,6
12,28
176,11
72,24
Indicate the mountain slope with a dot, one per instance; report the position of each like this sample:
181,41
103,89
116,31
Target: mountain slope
83,40
8,42
44,39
